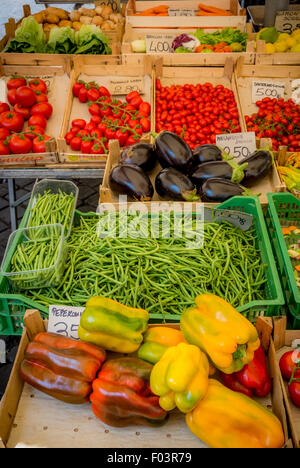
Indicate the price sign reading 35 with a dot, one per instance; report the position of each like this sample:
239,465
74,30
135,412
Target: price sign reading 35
64,320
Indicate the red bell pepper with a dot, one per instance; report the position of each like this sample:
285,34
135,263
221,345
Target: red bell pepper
253,379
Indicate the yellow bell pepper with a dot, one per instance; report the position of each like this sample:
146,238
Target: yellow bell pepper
157,340
180,377
228,338
227,419
113,326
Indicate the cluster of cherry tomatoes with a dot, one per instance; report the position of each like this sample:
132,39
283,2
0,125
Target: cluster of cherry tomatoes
30,104
196,113
290,369
111,119
279,120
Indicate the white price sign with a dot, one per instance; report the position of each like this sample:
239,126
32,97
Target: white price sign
123,86
182,12
288,21
159,44
267,88
238,145
64,320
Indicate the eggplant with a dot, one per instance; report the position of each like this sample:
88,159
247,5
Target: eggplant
219,190
211,170
130,179
171,184
140,154
172,151
259,164
206,153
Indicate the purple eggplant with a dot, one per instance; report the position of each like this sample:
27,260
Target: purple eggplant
206,153
172,151
140,154
218,169
219,190
259,164
130,179
171,184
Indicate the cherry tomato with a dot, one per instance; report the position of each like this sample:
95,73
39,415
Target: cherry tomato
12,122
136,102
287,363
4,107
90,127
40,97
75,143
43,108
103,91
38,144
77,87
86,146
81,123
122,136
25,96
94,109
38,85
20,144
4,148
145,124
95,120
97,134
75,130
97,148
132,140
93,94
23,111
82,95
132,95
294,391
33,131
38,120
110,134
83,133
145,109
15,83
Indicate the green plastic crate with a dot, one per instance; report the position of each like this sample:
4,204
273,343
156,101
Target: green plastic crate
13,307
283,211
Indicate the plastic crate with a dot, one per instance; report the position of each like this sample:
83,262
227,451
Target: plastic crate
283,211
12,307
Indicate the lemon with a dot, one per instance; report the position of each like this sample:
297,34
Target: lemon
296,34
270,49
296,48
283,37
291,42
281,46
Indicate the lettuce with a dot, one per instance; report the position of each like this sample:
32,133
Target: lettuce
29,38
91,40
228,35
61,41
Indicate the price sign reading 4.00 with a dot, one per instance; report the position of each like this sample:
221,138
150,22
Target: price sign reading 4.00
159,44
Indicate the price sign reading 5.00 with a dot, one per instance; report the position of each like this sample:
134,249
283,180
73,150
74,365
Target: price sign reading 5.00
159,44
267,88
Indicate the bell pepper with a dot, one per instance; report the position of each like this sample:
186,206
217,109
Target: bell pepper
180,377
227,419
112,325
122,396
61,367
157,340
220,331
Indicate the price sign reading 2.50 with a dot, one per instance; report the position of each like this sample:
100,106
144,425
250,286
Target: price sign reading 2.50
238,151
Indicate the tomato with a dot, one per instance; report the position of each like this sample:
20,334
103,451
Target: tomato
75,143
43,108
103,91
33,131
25,96
95,120
110,134
105,111
38,85
90,127
97,134
132,140
122,136
132,95
40,97
15,83
20,144
136,102
145,124
4,133
102,127
68,137
287,363
11,97
81,123
4,107
23,111
145,109
97,148
39,120
38,144
94,109
77,87
86,146
294,391
4,148
75,130
82,95
83,133
12,122
93,94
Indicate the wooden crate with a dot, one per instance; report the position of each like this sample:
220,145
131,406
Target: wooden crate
29,418
51,59
287,58
171,59
185,22
283,340
101,74
58,79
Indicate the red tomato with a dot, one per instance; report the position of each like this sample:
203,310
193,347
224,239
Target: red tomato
82,95
145,109
75,143
81,123
94,109
40,97
12,122
136,102
110,134
75,130
4,107
38,85
93,94
25,96
39,120
83,133
132,95
15,83
97,134
287,363
145,124
103,91
4,133
20,144
44,108
38,144
4,149
86,146
23,111
95,120
132,140
97,148
11,96
122,135
294,391
90,127
77,87
33,131
68,137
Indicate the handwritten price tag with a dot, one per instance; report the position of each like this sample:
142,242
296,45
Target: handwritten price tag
239,145
182,12
159,44
64,320
114,4
267,88
123,86
288,21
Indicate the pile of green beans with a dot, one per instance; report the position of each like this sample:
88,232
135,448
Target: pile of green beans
51,208
159,274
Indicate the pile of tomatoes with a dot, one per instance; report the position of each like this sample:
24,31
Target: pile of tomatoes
196,113
30,104
279,120
290,369
111,119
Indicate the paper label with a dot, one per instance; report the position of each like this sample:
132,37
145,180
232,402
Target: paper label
238,145
182,12
64,320
2,352
159,44
115,4
288,21
267,88
123,86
